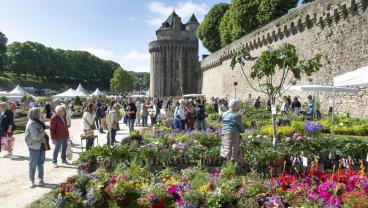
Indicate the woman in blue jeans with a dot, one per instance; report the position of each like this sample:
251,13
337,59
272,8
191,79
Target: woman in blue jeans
35,139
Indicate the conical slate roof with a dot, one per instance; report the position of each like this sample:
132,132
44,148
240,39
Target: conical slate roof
193,19
169,22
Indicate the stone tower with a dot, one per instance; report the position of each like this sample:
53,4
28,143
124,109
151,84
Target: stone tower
174,58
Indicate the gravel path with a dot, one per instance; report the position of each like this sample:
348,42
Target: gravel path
14,188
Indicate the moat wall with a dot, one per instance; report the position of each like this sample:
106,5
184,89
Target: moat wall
337,29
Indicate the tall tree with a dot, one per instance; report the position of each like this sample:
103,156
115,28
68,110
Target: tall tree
244,16
272,9
226,28
273,70
123,81
208,31
3,42
146,80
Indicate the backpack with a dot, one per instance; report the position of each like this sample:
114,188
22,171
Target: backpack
200,114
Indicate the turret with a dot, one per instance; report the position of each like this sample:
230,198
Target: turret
192,24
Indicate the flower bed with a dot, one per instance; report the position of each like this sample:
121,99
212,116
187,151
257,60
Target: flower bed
183,149
133,186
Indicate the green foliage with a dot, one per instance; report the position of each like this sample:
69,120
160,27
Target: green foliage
213,116
226,28
3,99
77,101
146,80
208,108
244,17
283,60
272,9
3,42
31,58
208,31
122,81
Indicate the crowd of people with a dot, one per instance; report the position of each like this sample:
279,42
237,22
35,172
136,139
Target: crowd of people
105,115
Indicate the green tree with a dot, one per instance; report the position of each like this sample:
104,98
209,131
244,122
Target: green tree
122,81
275,69
3,42
272,9
208,31
146,80
226,28
244,16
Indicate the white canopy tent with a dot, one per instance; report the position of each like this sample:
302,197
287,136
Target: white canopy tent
70,93
353,78
324,88
193,95
321,88
97,92
17,94
81,91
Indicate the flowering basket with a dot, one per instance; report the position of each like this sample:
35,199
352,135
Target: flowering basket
123,202
160,204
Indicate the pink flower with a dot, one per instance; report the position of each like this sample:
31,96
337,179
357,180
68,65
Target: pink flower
215,175
172,189
180,201
288,139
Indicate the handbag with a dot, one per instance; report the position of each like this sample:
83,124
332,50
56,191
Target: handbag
47,143
92,127
69,151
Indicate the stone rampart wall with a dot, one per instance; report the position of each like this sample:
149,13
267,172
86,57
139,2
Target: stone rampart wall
337,29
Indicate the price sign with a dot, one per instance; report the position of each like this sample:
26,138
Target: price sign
273,109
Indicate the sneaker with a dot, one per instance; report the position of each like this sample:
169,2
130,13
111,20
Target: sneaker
54,165
66,162
41,183
32,185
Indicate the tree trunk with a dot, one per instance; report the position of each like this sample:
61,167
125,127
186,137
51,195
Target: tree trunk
274,133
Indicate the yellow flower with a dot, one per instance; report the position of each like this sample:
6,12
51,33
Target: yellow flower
205,188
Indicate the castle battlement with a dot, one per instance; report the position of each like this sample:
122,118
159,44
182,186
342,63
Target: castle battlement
321,14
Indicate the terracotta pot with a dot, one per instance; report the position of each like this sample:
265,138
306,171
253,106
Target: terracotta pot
124,201
161,204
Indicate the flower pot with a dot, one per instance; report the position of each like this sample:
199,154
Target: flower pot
122,202
161,204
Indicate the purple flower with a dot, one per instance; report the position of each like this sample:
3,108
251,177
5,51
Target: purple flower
288,139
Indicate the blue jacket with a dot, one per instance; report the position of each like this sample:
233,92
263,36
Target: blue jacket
232,123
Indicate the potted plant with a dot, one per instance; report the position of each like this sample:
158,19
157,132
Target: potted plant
123,191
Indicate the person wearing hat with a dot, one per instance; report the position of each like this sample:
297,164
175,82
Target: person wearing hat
232,126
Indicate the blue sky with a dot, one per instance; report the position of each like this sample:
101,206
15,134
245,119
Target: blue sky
119,30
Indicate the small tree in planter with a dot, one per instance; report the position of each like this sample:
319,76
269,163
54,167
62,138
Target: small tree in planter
283,61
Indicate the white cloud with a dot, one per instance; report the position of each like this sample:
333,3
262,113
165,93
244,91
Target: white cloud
99,52
160,11
135,61
130,60
135,55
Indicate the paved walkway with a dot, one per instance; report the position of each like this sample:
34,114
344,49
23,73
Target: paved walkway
14,188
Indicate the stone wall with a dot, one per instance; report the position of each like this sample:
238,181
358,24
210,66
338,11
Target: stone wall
337,29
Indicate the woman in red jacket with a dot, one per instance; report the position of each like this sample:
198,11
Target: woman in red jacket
59,134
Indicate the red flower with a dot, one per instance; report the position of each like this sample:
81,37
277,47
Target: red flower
108,191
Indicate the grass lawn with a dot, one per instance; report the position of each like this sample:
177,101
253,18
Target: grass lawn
19,129
9,80
44,202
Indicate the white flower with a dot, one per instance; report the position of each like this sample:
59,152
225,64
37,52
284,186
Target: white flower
341,124
250,136
259,136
